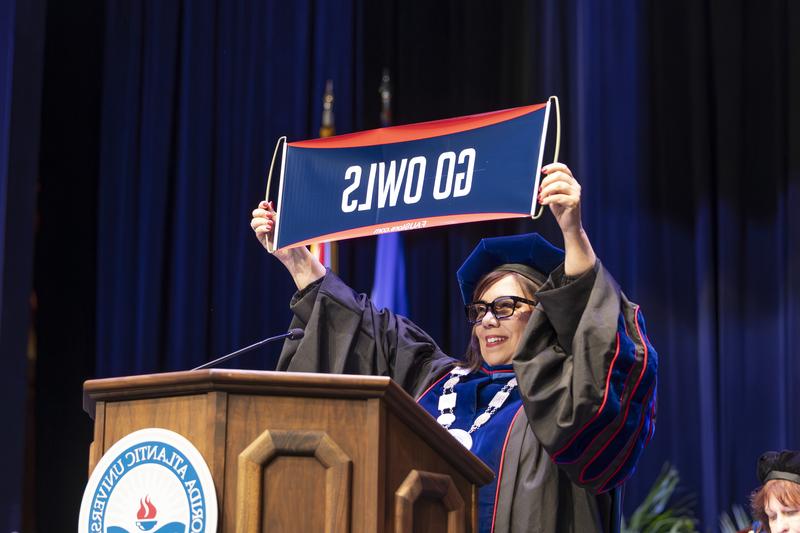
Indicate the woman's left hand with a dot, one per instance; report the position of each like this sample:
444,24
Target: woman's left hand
562,192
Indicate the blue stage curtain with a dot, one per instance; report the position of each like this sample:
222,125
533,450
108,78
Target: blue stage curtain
679,121
21,51
723,178
12,382
195,96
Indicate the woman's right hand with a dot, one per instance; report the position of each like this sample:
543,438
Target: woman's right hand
263,223
301,264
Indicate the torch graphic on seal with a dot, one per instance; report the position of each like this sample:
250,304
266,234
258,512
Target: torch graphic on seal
146,515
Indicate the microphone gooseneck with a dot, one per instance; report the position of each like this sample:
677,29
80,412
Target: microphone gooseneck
293,335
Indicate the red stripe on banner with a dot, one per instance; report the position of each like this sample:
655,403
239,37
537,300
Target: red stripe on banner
421,130
404,225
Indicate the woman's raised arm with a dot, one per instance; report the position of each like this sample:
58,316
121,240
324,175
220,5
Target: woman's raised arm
562,192
301,264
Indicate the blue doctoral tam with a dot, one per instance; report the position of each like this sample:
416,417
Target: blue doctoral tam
530,249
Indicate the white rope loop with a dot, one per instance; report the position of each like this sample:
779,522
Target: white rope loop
553,99
269,184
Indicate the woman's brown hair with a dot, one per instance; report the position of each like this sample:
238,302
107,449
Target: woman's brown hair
473,357
786,492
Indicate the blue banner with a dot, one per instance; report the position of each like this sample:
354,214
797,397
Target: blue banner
422,175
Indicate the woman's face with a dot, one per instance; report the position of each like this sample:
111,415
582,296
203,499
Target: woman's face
782,519
498,339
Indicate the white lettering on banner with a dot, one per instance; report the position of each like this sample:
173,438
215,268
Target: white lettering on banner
402,227
464,181
367,205
438,193
420,162
447,182
353,172
389,184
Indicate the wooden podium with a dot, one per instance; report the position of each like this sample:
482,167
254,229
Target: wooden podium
293,452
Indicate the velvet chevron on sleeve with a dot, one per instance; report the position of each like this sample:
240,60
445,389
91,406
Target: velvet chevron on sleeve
587,372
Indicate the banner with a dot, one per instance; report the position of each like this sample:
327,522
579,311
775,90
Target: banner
451,171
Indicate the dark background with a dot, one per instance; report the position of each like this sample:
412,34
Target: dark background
135,136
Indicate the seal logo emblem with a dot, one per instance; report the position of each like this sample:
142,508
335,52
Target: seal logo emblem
152,480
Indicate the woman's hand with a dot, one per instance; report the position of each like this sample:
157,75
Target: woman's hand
562,193
263,224
301,264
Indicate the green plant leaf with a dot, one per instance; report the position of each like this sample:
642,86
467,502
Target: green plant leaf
660,511
736,521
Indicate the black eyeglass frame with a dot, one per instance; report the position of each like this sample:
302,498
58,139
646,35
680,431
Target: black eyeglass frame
490,306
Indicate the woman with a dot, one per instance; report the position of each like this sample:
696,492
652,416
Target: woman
776,504
557,394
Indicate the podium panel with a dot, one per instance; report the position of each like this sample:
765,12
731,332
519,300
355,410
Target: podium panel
302,452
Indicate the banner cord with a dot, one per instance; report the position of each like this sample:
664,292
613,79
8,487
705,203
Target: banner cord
557,149
269,180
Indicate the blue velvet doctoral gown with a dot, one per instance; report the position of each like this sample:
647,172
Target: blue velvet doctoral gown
474,392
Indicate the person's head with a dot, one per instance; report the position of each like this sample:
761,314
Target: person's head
502,304
502,267
776,504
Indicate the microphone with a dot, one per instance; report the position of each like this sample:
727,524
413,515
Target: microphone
293,335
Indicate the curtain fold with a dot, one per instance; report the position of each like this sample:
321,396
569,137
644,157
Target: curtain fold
195,95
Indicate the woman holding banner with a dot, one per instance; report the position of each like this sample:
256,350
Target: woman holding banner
557,392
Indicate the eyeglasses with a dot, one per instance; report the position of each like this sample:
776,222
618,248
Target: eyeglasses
501,307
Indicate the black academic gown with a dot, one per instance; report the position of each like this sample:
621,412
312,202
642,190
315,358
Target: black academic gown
587,378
